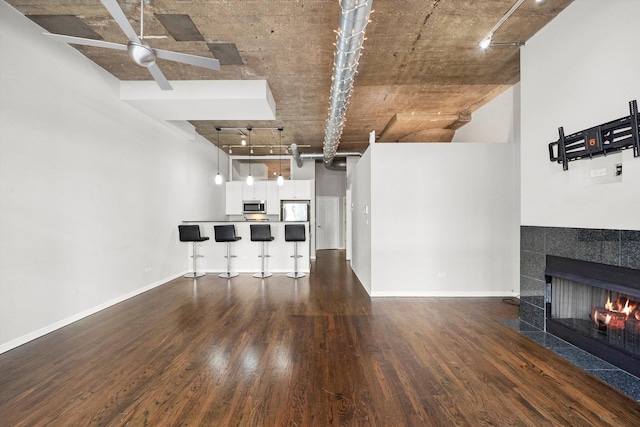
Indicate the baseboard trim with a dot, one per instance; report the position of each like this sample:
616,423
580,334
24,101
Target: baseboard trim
444,294
17,342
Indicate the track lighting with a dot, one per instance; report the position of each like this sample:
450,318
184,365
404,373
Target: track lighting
280,179
250,178
218,176
485,43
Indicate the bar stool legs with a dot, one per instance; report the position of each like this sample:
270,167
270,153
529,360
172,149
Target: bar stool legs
295,274
228,274
262,255
195,256
226,234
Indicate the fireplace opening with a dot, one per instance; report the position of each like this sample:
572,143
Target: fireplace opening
597,308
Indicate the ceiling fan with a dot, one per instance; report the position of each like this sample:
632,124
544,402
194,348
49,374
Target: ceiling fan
139,51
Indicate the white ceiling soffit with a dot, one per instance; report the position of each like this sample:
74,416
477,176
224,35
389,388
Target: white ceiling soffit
202,99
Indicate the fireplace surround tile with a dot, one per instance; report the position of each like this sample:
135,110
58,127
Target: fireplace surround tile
627,383
532,314
617,378
546,340
597,245
581,358
598,235
532,264
534,300
532,239
530,287
561,241
630,249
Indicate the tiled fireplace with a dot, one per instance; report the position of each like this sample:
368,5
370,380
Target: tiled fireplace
585,267
595,307
613,247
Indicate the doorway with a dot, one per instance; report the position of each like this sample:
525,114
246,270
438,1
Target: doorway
327,222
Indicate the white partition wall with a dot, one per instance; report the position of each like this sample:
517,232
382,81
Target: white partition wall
91,190
444,220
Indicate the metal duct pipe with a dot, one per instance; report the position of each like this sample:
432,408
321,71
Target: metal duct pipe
336,165
296,155
338,154
353,21
299,157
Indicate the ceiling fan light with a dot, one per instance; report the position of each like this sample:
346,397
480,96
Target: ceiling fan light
141,53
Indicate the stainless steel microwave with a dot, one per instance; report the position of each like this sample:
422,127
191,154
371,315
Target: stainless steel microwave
254,206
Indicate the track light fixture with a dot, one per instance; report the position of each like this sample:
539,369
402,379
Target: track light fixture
218,176
250,178
280,179
486,41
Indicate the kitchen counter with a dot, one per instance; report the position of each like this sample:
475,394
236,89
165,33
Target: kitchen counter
246,251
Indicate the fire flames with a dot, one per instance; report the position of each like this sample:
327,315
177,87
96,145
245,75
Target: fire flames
615,314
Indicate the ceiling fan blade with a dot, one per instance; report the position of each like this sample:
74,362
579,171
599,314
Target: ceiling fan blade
198,61
86,42
120,18
159,77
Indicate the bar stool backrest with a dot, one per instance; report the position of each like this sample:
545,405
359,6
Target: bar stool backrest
225,233
190,233
261,233
294,233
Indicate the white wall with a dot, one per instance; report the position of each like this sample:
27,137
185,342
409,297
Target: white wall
579,71
91,190
307,171
493,122
444,219
360,182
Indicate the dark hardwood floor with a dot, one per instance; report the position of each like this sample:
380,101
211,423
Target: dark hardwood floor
315,352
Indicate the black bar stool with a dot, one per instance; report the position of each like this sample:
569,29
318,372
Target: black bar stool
295,233
191,233
226,234
262,233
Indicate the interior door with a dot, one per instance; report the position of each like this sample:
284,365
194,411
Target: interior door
327,222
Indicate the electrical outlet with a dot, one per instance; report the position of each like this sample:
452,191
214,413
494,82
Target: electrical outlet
442,274
148,269
598,172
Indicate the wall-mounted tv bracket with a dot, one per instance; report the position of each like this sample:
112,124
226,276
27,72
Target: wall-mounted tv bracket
607,138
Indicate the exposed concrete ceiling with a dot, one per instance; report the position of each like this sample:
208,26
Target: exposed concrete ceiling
420,76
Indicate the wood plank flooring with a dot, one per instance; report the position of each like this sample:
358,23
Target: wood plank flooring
312,352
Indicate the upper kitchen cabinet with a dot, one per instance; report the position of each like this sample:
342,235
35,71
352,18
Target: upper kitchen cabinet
257,191
273,200
296,190
234,198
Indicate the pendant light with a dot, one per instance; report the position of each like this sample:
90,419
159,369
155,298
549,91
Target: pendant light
250,178
280,179
218,176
